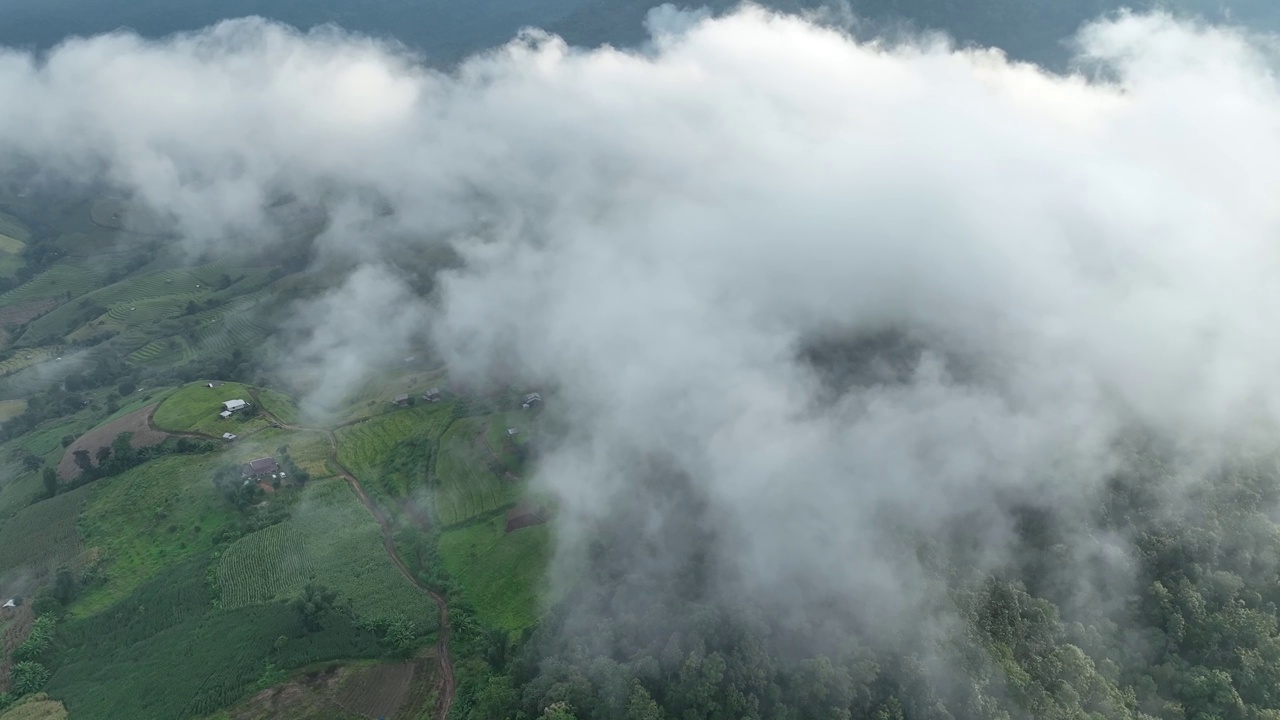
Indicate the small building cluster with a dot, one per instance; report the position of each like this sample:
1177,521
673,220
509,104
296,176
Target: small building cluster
231,406
531,400
261,468
432,395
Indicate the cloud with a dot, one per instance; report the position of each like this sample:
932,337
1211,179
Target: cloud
667,235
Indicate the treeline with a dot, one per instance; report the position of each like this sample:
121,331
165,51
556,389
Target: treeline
1193,635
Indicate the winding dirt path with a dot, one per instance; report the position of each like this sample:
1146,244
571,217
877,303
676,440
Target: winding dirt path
448,682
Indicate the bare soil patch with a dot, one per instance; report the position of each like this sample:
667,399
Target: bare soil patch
377,691
303,697
135,422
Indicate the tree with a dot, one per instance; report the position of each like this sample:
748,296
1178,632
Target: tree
641,706
67,440
495,699
125,387
65,586
313,605
83,461
32,462
558,711
50,482
122,449
104,454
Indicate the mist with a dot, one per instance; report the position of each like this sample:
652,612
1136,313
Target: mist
801,298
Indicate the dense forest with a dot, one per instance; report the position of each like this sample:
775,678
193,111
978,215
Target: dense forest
1192,633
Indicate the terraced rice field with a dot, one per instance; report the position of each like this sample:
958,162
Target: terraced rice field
26,358
465,487
57,282
11,227
44,533
364,446
266,565
172,349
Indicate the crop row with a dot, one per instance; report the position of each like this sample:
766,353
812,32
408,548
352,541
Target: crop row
269,564
42,533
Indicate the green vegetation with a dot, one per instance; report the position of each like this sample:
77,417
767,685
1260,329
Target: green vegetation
270,564
365,446
344,548
195,408
166,653
500,574
43,534
148,518
466,485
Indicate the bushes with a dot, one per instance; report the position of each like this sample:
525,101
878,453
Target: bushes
37,642
27,677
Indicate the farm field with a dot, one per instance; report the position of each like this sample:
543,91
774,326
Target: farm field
500,573
61,281
195,408
278,404
376,691
103,435
465,486
26,358
269,564
356,691
364,446
310,451
12,228
344,546
147,518
43,534
164,653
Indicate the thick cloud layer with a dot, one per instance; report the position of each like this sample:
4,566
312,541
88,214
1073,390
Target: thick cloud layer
666,237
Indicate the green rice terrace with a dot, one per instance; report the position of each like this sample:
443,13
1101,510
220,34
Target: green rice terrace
199,558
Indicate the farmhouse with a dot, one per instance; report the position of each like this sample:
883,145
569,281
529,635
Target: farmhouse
432,395
512,432
262,467
401,399
234,405
525,515
531,399
229,436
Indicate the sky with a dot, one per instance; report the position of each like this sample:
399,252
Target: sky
662,237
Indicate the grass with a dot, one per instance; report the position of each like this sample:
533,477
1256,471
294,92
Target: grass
465,486
165,653
270,564
344,547
43,534
500,573
279,404
148,518
195,408
502,444
310,452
